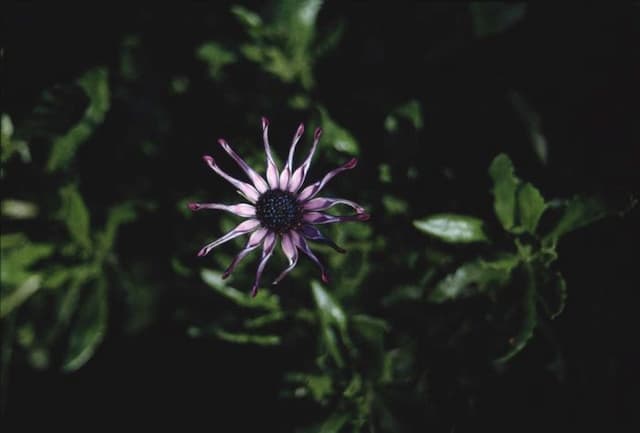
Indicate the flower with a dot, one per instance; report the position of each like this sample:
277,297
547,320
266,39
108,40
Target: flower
279,208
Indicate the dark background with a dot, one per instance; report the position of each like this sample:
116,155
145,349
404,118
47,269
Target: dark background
576,64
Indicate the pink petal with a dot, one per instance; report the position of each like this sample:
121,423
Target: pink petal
291,252
245,189
254,242
241,229
298,177
312,233
302,245
323,203
272,168
310,191
267,250
257,180
323,218
242,209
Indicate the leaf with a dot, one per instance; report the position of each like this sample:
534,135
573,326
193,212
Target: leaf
533,124
495,17
527,317
552,292
96,86
216,56
239,338
411,111
18,209
75,215
262,300
329,309
579,212
89,328
473,278
17,297
334,423
16,261
453,228
531,206
339,137
505,184
118,215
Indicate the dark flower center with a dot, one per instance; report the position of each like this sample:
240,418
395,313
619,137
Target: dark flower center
278,210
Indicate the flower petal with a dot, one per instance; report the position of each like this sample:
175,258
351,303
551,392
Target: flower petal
298,176
244,188
291,252
323,218
302,245
254,242
267,251
323,203
241,229
312,233
241,209
257,180
272,168
310,191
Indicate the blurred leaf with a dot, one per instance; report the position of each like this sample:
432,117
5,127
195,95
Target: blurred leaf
526,315
89,328
118,215
552,291
394,205
336,135
17,259
411,111
472,278
14,299
408,293
248,18
533,123
216,56
329,309
264,320
260,340
495,17
75,215
262,300
18,209
95,85
453,228
505,184
334,423
531,206
579,212
9,144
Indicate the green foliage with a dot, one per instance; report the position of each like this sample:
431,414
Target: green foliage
452,228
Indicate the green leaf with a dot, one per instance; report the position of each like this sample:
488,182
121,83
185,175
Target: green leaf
473,278
16,261
336,135
262,300
531,206
411,111
552,292
495,17
505,184
526,314
579,212
17,297
216,56
96,86
329,309
334,423
239,338
75,215
89,328
18,209
248,18
452,228
118,215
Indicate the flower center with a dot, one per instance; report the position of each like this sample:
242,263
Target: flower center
278,210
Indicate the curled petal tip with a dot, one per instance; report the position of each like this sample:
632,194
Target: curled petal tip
317,133
363,216
194,206
202,253
265,122
254,291
225,275
300,130
208,159
222,142
351,163
325,278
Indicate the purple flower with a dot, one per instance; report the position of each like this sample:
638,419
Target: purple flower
280,208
